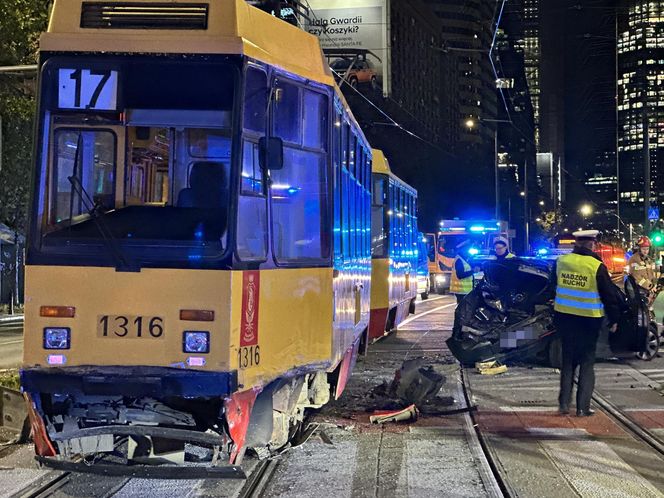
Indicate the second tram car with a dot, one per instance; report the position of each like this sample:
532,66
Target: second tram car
199,264
394,238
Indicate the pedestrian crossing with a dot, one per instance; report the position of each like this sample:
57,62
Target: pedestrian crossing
654,373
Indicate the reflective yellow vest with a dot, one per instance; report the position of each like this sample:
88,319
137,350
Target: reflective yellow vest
461,285
577,292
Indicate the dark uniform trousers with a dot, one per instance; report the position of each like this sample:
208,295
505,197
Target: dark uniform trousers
579,336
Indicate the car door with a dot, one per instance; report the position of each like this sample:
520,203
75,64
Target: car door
632,333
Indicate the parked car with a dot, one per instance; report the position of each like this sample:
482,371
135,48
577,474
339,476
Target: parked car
356,71
509,316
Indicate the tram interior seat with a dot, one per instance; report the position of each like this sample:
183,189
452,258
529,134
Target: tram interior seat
207,187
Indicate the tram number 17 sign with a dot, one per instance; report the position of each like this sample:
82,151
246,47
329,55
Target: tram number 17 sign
88,89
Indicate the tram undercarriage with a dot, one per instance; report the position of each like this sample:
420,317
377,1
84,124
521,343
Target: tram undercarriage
91,427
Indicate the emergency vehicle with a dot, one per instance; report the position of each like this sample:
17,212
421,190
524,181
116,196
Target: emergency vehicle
441,246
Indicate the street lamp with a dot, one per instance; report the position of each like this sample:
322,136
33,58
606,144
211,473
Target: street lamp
470,124
586,210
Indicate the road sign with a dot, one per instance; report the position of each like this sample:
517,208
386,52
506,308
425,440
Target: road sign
653,213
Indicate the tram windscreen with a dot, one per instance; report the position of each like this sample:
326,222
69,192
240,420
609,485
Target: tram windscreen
170,187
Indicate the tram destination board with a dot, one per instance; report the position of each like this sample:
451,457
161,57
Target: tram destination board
88,89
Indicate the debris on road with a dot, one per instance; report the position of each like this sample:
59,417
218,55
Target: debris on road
490,367
383,416
415,382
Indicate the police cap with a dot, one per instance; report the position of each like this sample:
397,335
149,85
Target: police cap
586,234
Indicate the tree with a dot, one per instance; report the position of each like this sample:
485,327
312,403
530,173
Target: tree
21,22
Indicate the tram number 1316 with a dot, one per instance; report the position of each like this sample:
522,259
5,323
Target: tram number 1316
248,356
129,326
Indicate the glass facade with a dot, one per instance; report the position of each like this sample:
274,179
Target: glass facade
640,105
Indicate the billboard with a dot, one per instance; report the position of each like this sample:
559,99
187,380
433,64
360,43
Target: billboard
353,35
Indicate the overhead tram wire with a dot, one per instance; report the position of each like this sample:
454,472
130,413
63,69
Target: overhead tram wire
383,113
493,66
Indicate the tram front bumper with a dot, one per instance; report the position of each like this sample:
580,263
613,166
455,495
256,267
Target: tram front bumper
136,381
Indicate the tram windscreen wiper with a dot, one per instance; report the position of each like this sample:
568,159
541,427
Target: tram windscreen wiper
96,214
96,211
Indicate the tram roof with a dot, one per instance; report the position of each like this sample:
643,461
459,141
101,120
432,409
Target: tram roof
231,27
380,164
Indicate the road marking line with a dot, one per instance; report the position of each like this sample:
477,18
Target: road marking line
594,469
11,342
431,299
415,317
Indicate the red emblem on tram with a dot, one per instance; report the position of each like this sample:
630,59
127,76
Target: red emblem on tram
249,323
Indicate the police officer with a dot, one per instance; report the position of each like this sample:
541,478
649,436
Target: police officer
642,266
461,281
584,295
501,250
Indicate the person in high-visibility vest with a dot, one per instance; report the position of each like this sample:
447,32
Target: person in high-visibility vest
584,296
501,250
461,280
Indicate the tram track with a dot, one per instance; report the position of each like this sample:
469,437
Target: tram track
257,481
493,476
623,418
53,482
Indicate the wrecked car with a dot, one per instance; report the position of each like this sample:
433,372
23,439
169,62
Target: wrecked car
509,316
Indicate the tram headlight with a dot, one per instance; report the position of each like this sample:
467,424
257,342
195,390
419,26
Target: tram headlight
57,338
194,341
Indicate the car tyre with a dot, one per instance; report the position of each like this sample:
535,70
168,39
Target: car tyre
374,83
652,345
353,82
411,308
555,353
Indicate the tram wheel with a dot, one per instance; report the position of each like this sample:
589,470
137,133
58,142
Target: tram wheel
425,295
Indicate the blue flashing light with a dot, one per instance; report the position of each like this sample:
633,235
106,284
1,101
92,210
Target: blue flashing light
543,251
477,228
473,251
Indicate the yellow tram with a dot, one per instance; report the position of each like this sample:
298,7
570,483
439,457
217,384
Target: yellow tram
394,238
199,263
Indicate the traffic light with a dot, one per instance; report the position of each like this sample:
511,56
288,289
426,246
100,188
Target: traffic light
657,238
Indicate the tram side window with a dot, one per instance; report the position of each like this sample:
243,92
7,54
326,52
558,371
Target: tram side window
287,116
378,232
315,120
88,156
298,207
336,159
252,208
255,100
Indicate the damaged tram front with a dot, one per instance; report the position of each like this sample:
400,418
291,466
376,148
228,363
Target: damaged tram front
186,283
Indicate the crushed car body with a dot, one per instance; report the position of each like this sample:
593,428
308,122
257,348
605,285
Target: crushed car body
509,316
